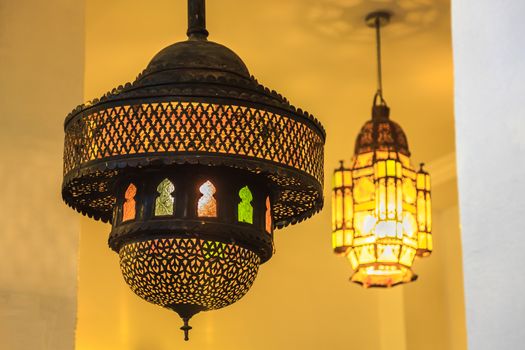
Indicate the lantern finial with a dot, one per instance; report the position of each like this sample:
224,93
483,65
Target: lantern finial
186,328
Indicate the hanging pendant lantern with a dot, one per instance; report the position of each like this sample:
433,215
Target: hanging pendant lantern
381,215
194,164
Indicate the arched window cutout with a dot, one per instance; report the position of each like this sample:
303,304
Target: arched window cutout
244,208
268,216
207,205
164,202
129,207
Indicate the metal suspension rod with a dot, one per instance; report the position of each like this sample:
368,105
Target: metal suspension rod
377,20
378,48
197,20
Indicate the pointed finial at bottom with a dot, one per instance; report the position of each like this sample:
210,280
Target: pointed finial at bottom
186,328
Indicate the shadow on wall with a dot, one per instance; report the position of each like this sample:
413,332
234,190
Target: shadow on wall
338,19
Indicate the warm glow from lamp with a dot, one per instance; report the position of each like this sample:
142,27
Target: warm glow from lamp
381,213
381,217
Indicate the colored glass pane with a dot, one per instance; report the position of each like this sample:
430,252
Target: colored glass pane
244,208
164,202
207,205
268,215
129,207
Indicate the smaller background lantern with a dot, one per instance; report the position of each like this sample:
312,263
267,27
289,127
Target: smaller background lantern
381,213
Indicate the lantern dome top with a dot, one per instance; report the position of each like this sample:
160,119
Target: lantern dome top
198,70
198,56
381,134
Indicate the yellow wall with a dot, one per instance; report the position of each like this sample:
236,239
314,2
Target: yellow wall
41,70
302,298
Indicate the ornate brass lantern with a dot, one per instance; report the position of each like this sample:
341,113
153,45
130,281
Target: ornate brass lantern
381,214
194,164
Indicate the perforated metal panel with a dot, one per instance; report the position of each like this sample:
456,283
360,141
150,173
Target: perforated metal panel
170,272
288,150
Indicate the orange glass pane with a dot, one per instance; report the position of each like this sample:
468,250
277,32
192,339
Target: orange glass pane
268,216
129,207
207,205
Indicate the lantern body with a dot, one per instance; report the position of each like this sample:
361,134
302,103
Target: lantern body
194,164
381,213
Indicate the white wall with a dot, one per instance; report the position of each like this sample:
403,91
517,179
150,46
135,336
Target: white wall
489,59
41,74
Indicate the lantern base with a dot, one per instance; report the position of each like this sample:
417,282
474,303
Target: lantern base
383,276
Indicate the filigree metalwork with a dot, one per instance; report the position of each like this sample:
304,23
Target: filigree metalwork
288,150
167,272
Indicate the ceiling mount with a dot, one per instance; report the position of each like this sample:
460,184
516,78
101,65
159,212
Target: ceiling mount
382,16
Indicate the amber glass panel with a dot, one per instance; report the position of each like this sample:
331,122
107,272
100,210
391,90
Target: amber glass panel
428,212
407,256
366,254
353,259
348,208
421,211
339,208
409,224
391,167
164,202
381,169
207,205
129,207
364,189
409,190
388,253
364,222
334,212
363,160
338,179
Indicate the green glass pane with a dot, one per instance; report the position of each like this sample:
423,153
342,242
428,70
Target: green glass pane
245,209
164,202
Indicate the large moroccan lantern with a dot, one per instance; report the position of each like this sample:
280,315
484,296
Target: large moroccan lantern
381,214
194,164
